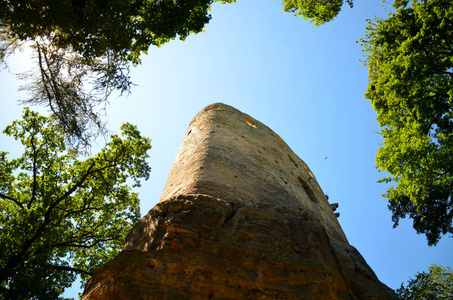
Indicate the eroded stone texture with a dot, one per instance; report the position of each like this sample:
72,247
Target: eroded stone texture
241,217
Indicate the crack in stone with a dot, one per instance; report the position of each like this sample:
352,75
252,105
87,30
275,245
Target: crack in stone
228,217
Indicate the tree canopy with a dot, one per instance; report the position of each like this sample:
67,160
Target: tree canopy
320,12
410,62
94,28
84,48
436,284
61,216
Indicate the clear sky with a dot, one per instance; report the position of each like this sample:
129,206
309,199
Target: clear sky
304,82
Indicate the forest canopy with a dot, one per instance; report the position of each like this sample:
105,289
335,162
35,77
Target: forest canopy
61,216
410,63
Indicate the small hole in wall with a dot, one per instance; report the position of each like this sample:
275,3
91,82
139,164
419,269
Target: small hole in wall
307,189
293,161
250,122
306,167
211,108
280,141
189,132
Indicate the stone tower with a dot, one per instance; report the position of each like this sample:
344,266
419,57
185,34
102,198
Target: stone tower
241,217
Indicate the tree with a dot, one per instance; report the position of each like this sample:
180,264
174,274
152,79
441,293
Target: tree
94,28
410,61
61,216
318,11
436,284
84,49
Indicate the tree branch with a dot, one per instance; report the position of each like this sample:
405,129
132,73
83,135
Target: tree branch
75,187
44,76
77,245
15,260
107,185
12,199
31,281
33,189
58,268
71,269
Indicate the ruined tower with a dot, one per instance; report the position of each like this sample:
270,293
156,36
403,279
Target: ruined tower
241,217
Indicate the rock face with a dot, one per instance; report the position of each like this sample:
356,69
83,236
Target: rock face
241,217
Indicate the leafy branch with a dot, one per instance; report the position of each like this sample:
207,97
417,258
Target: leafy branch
77,212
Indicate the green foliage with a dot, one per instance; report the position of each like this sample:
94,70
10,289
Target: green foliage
59,82
96,27
61,216
437,284
318,11
410,62
84,49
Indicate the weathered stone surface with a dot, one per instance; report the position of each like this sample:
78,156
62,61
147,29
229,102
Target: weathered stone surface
241,217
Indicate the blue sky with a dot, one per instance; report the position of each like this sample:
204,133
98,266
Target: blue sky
304,82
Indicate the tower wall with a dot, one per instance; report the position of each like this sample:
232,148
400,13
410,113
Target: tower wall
230,155
241,217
